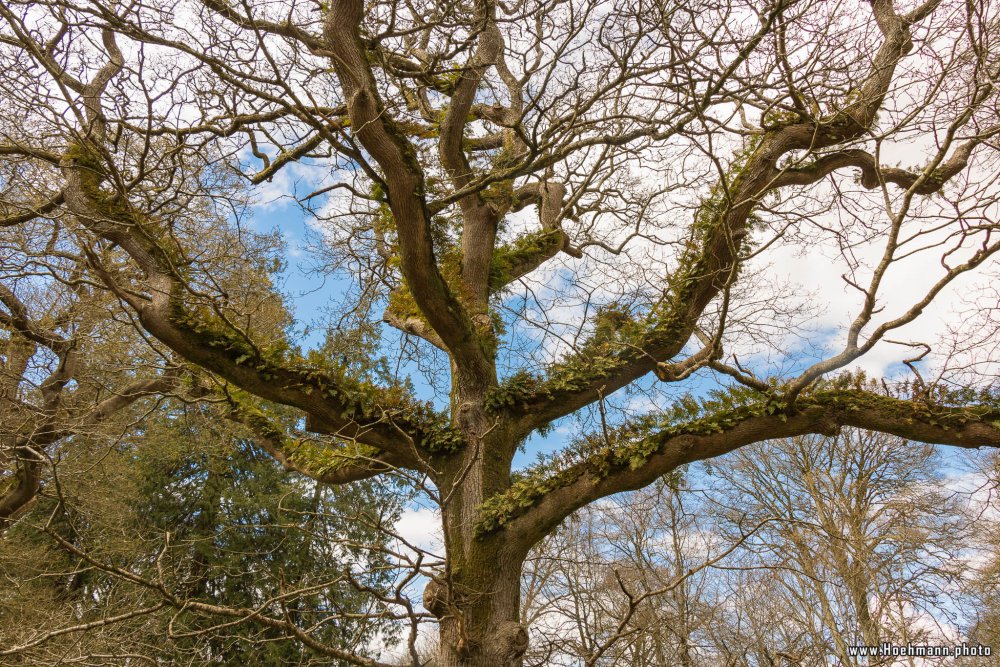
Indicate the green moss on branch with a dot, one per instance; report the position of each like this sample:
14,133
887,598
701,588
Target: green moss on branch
634,445
349,399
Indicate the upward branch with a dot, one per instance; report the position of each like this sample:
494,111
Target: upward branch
405,190
719,239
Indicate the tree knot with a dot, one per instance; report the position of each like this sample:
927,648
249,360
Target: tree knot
436,598
510,641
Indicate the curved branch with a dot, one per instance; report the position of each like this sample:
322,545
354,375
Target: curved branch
534,507
873,175
360,410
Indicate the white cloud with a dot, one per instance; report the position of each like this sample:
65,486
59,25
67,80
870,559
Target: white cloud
421,528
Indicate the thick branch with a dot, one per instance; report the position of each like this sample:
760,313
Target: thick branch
404,187
350,408
719,233
873,175
479,220
530,251
357,409
286,29
514,261
16,319
534,507
29,212
329,463
413,325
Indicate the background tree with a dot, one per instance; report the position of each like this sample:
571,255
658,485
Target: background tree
561,200
984,586
788,553
868,545
193,505
624,582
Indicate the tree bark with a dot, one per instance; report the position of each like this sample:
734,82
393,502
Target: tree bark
477,598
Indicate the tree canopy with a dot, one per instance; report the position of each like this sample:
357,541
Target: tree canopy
533,214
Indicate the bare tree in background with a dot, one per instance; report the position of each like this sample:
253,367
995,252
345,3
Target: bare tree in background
624,582
557,202
984,586
867,544
792,551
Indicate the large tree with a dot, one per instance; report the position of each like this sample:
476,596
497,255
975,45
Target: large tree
559,201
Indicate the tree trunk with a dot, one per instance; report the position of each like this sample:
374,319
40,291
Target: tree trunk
482,628
477,597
